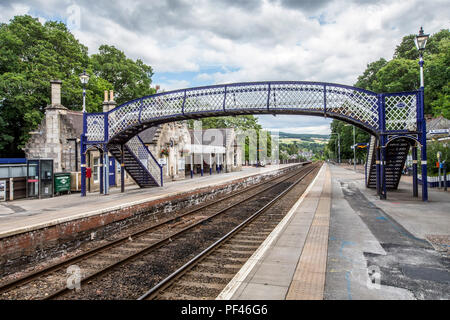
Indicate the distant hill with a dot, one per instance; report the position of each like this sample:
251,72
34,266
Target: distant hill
303,136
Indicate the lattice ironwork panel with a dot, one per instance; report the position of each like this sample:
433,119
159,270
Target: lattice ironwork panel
207,99
141,152
296,96
162,105
123,117
251,96
401,112
95,127
353,104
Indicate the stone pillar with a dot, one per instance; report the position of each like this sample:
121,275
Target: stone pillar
53,145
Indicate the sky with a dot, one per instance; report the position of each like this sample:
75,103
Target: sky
192,43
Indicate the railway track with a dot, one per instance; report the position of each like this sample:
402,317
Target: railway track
207,274
50,282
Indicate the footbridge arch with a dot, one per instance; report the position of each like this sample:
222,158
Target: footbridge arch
383,115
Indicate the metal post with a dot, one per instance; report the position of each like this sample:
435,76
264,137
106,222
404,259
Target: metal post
415,184
192,165
101,178
339,147
201,165
106,171
439,176
354,150
423,149
383,169
377,156
84,98
83,166
445,177
210,164
122,170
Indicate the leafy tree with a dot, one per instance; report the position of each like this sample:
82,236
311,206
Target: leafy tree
367,79
437,77
238,122
130,79
32,54
346,136
397,75
407,49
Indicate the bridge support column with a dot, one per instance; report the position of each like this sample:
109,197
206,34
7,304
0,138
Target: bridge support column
414,173
424,170
101,178
83,165
201,161
383,169
122,170
106,189
423,138
377,157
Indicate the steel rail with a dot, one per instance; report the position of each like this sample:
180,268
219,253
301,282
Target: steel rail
36,274
165,240
168,281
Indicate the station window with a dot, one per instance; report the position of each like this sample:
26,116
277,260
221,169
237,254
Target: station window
96,170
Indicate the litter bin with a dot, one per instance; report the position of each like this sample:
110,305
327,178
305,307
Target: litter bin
62,182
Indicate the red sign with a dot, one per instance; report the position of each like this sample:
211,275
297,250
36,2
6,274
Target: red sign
88,172
33,180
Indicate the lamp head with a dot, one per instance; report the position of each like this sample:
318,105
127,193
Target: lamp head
421,40
84,77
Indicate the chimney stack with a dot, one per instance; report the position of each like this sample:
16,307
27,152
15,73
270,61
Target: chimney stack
109,104
56,92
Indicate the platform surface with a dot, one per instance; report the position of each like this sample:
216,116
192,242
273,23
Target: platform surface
340,241
30,214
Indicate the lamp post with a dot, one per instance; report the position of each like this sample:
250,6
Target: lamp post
354,147
339,146
421,41
354,150
84,78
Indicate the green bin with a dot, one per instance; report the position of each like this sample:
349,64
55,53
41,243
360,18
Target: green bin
62,182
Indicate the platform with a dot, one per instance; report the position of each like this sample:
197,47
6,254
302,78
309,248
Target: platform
339,241
30,214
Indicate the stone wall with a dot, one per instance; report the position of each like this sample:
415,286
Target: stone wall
19,251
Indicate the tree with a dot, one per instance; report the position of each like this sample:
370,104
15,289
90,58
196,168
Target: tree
397,75
32,54
238,122
366,80
130,79
346,135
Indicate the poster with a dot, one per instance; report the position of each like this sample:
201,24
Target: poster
2,190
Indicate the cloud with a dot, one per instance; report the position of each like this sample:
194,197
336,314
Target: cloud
174,85
231,41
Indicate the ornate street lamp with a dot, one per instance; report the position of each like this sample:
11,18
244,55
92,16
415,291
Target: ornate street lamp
421,41
84,78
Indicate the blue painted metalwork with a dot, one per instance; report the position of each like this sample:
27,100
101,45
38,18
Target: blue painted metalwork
423,134
414,167
398,114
